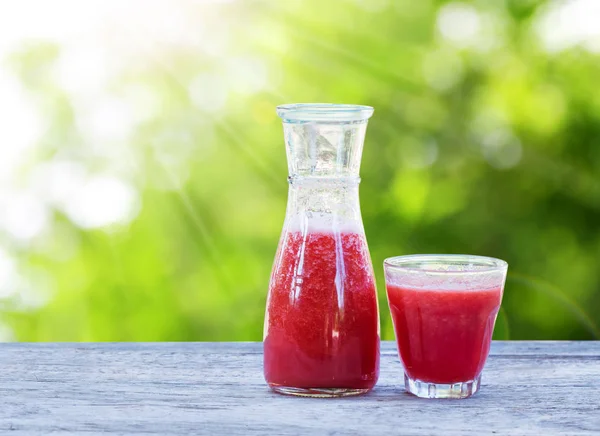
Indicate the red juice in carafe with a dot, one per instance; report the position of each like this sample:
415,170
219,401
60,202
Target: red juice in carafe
322,327
443,335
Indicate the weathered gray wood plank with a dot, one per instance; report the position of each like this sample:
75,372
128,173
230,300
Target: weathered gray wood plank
555,348
529,388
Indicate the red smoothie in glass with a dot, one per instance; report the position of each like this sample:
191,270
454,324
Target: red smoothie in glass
322,328
443,335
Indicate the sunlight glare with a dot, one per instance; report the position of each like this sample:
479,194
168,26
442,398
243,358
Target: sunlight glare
209,92
8,275
25,216
107,120
567,24
103,201
248,75
58,181
459,23
35,290
84,70
22,125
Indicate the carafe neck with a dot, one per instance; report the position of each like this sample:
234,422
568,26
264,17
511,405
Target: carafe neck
324,140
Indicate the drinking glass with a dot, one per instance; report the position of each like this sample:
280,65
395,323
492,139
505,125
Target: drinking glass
444,308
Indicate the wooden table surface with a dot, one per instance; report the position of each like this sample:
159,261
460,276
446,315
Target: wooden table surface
529,388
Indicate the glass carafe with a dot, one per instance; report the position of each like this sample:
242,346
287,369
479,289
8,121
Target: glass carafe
321,334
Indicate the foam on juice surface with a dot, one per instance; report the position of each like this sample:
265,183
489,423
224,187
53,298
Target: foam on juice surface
436,281
323,223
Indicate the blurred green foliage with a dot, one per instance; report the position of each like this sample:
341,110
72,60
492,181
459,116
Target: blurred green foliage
483,141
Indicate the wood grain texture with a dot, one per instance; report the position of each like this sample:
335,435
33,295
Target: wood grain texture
529,388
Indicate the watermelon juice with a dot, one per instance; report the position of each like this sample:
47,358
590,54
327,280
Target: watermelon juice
322,325
443,336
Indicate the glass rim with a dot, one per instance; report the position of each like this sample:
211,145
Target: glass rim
479,264
332,112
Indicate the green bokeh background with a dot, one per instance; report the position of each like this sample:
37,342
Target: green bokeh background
489,144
